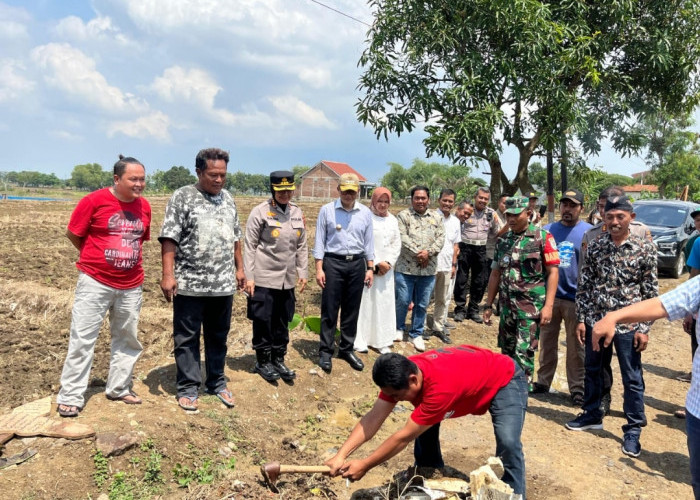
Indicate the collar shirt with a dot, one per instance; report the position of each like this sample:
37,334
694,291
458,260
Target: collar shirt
452,237
418,233
480,225
204,228
344,232
613,277
522,259
276,251
685,299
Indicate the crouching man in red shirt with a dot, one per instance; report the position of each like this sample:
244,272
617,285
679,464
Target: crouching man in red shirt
449,382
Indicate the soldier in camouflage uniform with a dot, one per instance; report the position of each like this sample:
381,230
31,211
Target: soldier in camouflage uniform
525,269
202,266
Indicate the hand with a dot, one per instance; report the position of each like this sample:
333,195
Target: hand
321,279
454,272
534,344
354,470
249,288
487,316
169,287
688,324
604,329
240,279
581,334
369,278
383,268
640,341
301,283
423,258
335,463
546,315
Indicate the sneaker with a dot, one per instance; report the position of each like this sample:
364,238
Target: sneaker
584,422
384,350
418,343
630,445
443,335
538,388
398,337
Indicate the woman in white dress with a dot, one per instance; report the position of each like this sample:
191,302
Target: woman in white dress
376,324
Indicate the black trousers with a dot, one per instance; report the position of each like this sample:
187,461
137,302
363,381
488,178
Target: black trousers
343,292
211,315
472,276
271,311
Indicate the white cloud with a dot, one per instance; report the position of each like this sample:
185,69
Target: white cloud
299,111
316,77
100,28
13,23
73,72
66,136
154,125
12,83
11,30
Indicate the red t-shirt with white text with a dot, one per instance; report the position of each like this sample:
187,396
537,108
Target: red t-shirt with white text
113,233
457,381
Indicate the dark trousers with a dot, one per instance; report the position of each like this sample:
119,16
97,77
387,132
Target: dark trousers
212,316
632,379
343,291
692,428
508,417
472,276
271,311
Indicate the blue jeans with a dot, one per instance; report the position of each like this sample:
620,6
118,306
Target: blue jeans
508,416
409,287
632,380
692,429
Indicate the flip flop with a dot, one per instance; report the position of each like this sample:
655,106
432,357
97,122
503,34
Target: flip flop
68,411
131,398
226,398
188,404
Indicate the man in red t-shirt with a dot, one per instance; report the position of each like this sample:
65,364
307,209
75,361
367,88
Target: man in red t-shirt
449,382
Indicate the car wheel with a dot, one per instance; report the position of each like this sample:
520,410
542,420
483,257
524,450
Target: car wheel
678,267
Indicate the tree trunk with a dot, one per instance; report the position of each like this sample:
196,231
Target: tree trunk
522,180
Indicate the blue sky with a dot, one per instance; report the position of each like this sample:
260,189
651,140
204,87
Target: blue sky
271,81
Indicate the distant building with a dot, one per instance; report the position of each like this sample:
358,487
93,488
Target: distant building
635,191
321,181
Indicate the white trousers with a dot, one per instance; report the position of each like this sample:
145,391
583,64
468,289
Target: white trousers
444,285
92,302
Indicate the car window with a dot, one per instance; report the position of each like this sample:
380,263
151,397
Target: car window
660,215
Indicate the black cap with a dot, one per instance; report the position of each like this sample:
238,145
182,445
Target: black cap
695,212
282,180
572,194
619,203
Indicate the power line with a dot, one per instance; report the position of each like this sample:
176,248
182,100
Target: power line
341,13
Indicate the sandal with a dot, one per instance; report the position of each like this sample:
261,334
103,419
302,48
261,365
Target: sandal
68,411
226,398
188,404
131,398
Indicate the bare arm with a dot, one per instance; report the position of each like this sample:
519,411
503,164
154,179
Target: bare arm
363,431
238,261
646,310
75,239
494,280
552,273
168,284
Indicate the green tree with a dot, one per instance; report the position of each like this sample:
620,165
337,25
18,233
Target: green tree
526,73
177,177
435,176
673,153
300,170
89,176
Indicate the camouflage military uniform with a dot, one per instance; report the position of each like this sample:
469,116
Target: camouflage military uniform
521,259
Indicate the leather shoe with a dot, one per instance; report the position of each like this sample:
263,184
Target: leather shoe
355,362
459,317
325,364
443,335
476,318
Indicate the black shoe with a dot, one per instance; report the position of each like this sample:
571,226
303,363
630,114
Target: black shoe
459,317
267,371
476,318
325,363
605,402
285,373
444,335
355,362
538,388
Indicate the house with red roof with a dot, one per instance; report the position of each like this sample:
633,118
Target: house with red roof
321,181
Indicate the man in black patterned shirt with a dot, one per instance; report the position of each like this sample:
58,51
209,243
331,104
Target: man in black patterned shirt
620,270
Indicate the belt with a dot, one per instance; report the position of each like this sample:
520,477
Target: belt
348,258
477,243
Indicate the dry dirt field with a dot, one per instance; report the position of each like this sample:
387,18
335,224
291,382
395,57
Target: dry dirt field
216,453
